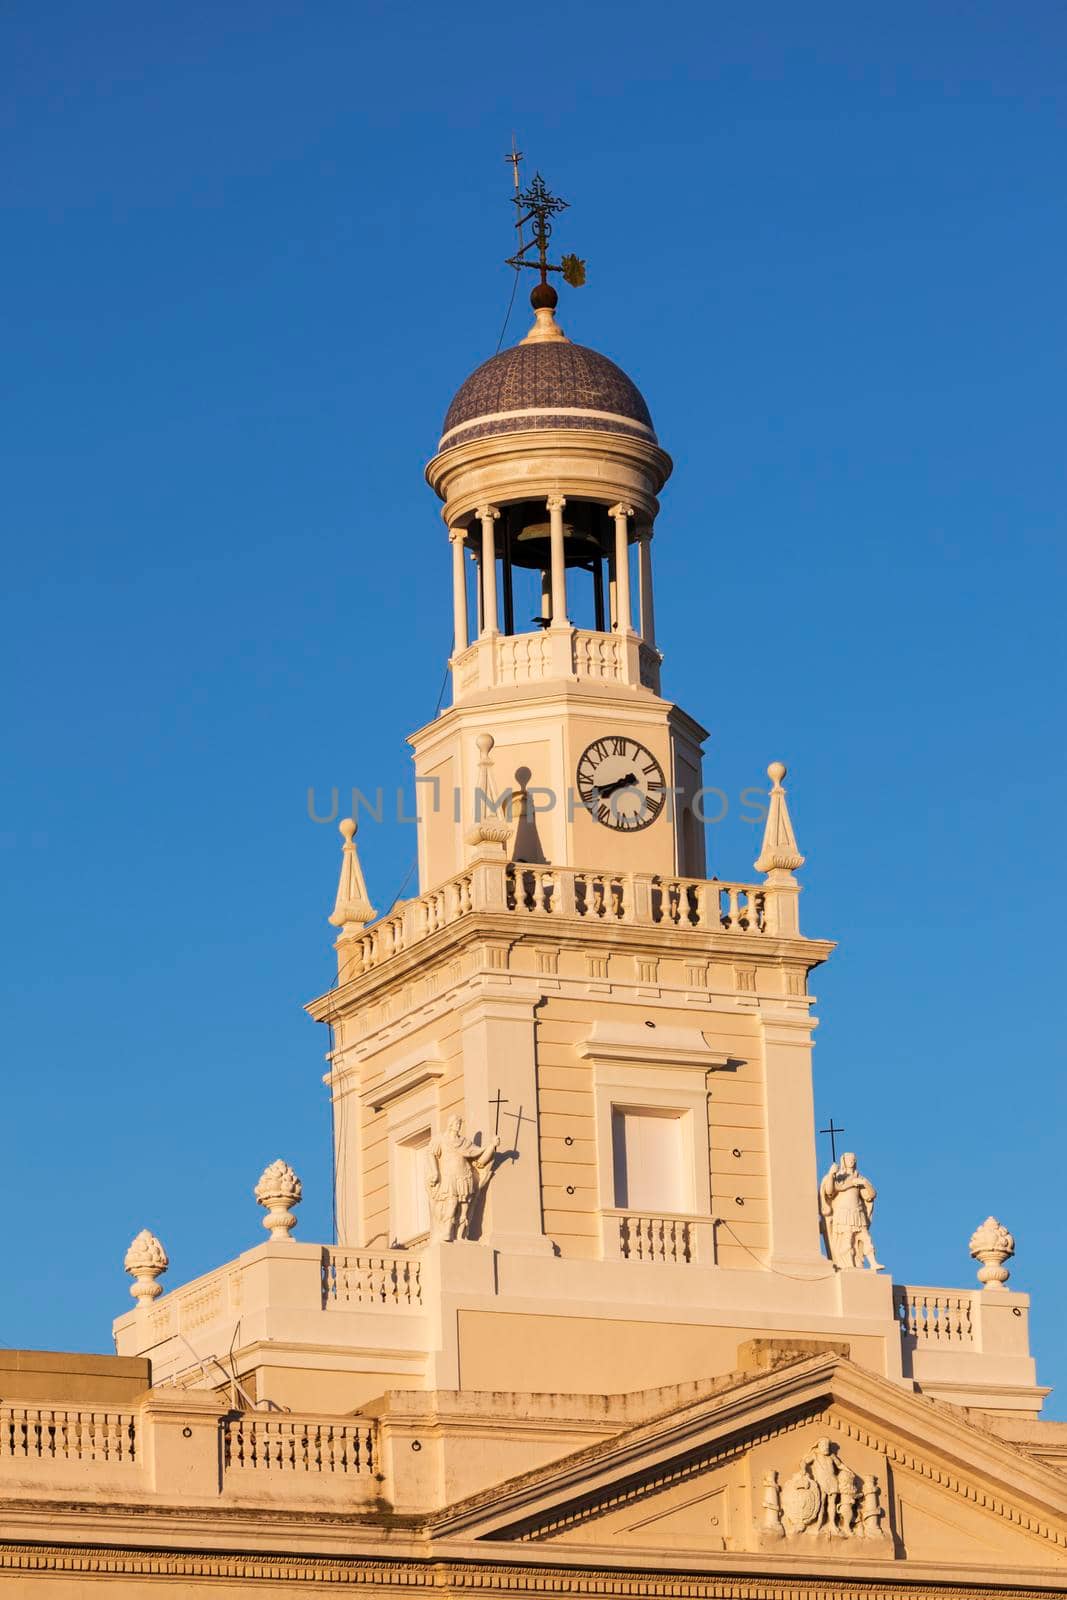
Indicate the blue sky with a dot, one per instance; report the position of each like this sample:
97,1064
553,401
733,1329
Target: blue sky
250,251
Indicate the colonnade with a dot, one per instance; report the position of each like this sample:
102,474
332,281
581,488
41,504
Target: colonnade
486,620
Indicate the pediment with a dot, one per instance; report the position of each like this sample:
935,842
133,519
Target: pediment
813,1466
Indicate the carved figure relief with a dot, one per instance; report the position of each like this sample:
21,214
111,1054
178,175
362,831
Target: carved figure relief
825,1498
458,1172
846,1206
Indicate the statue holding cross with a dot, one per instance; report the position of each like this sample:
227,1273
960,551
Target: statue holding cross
846,1207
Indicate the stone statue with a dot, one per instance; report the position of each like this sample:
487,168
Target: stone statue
846,1205
823,1466
458,1173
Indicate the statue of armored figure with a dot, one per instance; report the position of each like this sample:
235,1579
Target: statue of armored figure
846,1206
458,1172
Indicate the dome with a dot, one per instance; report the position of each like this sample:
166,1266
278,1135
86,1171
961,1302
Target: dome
550,384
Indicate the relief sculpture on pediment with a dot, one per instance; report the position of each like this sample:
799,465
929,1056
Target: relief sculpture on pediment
824,1498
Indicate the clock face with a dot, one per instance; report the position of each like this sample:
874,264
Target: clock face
621,783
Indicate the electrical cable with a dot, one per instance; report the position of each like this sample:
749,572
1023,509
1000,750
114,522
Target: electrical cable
507,316
794,1277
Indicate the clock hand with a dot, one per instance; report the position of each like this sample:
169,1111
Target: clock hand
620,783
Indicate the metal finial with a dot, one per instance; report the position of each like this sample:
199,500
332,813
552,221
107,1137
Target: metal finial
538,205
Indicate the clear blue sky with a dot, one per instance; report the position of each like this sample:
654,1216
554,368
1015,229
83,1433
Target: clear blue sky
249,252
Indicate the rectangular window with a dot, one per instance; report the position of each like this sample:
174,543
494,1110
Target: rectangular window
412,1201
649,1160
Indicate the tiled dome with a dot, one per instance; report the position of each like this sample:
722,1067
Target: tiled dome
554,384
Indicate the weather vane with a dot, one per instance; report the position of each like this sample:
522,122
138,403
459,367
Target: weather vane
538,205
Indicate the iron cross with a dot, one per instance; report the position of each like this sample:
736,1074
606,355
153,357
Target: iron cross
833,1132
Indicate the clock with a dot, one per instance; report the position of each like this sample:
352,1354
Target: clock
621,783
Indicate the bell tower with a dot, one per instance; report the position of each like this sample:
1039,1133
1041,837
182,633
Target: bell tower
549,470
627,1040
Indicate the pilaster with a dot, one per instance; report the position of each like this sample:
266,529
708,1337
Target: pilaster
500,1088
790,1123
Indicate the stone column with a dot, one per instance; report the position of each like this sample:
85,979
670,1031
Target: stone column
487,515
546,593
556,503
457,537
644,578
623,620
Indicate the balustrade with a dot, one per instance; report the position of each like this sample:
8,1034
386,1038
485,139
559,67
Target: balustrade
934,1317
391,1280
642,899
255,1443
656,1239
39,1433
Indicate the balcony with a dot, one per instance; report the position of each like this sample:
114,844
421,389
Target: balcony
549,895
503,660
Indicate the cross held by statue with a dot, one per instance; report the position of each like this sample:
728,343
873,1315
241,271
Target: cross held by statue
833,1132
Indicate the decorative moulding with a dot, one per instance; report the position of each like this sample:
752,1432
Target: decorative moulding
398,1084
634,1042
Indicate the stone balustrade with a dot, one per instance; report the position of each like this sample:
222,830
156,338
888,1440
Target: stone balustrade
656,1239
182,1447
503,660
366,1281
44,1434
583,895
934,1317
256,1443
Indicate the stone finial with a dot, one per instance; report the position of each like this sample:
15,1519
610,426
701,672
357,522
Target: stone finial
992,1245
278,1190
352,908
490,834
779,852
145,1260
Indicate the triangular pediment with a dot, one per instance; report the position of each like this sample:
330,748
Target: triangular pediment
815,1466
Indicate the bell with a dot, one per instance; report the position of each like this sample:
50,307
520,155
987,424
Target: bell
528,531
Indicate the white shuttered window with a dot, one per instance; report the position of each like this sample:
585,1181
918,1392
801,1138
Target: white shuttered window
412,1199
649,1160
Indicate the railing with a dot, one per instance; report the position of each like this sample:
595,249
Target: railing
392,1281
641,899
39,1433
296,1445
502,659
656,1239
934,1317
634,897
523,657
601,656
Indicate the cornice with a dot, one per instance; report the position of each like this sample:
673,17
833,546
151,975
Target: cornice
677,1578
504,927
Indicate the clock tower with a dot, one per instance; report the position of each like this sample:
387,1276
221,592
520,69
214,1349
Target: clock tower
567,963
